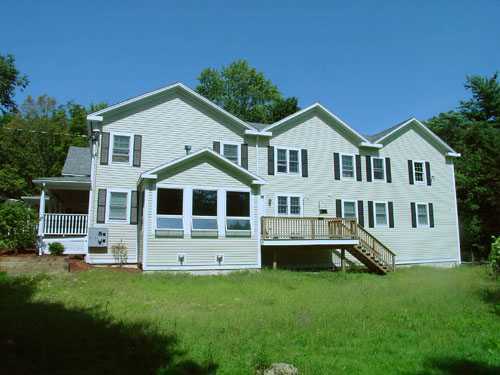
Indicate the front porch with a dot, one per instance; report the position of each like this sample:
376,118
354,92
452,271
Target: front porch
324,233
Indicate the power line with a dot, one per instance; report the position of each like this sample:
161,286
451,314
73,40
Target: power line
45,132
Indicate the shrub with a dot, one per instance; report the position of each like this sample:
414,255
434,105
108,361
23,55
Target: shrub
495,256
18,226
119,252
56,248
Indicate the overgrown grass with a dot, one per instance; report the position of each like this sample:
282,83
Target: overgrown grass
417,321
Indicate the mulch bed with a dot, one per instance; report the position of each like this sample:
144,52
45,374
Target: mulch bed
21,253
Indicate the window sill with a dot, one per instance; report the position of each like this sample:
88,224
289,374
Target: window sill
204,233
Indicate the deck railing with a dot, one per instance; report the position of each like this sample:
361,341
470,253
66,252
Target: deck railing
65,224
308,228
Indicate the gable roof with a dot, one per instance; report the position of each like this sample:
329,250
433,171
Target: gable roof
380,137
153,173
77,162
318,107
97,116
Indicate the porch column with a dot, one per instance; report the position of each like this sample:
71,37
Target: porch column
41,214
342,260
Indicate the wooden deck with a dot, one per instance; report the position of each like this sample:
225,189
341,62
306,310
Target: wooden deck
345,232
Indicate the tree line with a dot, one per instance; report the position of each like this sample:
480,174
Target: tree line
35,137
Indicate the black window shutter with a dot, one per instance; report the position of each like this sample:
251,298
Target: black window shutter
270,160
413,215
105,149
391,214
428,173
137,150
410,171
361,215
431,215
388,170
370,214
216,147
101,206
244,155
358,168
305,170
368,168
336,165
338,208
134,204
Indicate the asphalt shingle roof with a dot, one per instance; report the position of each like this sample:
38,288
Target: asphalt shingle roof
375,137
77,162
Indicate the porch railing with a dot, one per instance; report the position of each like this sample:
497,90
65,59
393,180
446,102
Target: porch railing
308,228
65,224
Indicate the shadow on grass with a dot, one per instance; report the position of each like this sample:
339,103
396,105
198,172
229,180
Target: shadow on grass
38,337
492,297
459,366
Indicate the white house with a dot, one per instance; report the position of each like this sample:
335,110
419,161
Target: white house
185,185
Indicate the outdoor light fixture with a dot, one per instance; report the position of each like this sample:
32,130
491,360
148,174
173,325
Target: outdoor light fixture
219,258
187,148
181,258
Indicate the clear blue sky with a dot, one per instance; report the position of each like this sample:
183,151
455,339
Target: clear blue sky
373,63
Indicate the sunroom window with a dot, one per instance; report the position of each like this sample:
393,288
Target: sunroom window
121,149
204,210
169,209
237,211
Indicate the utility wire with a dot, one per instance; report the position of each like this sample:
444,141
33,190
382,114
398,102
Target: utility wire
45,132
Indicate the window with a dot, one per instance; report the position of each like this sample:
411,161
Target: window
204,205
378,168
347,164
349,209
169,208
381,214
287,161
289,205
422,215
121,149
237,211
118,206
231,151
419,172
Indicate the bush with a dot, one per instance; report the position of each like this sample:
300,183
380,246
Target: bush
495,256
18,226
56,248
119,252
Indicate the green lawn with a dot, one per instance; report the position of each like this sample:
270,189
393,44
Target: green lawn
417,321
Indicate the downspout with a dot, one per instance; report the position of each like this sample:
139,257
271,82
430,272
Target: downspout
94,141
257,156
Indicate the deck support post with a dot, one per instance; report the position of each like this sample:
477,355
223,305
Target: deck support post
41,214
275,259
342,260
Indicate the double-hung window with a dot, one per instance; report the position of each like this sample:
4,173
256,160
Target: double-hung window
419,172
422,214
121,148
204,216
378,168
237,212
169,205
348,166
288,205
381,214
287,161
349,209
231,151
118,206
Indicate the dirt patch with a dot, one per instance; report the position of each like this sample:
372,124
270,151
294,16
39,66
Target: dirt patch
21,253
80,265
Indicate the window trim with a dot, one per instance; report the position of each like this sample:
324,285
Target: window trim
386,203
108,204
426,204
130,146
424,173
383,166
355,207
288,195
353,178
238,153
299,161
